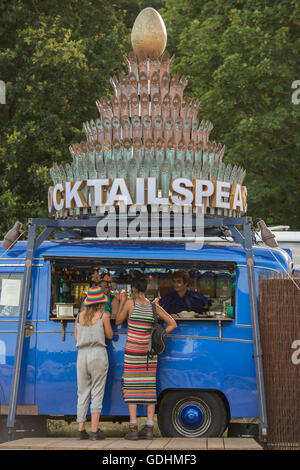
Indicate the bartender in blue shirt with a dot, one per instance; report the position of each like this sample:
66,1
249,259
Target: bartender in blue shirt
182,298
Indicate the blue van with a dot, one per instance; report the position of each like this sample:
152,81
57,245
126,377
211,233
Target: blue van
206,376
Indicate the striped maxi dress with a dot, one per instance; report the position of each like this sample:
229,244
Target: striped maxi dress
139,380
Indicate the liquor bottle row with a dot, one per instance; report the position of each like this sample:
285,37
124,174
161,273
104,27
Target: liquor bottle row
71,285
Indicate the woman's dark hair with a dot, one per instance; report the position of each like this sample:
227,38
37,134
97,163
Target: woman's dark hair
140,283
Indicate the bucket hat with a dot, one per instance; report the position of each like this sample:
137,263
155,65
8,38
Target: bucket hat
95,295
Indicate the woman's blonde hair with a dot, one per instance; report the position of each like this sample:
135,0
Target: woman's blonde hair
90,311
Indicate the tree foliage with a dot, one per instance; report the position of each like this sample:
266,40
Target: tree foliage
56,59
240,57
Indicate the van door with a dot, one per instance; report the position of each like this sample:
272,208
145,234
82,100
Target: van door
11,279
56,387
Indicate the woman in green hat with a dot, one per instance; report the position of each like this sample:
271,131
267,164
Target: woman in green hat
92,326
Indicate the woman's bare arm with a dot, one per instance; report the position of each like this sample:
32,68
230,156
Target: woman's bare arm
166,318
115,305
124,311
107,325
75,330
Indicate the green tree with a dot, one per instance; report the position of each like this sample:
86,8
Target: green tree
56,59
241,58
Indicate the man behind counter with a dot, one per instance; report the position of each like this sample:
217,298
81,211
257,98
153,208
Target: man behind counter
182,298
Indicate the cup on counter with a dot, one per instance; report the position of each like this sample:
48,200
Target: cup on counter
230,312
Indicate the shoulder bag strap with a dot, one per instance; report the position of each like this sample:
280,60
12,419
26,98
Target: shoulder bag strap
153,305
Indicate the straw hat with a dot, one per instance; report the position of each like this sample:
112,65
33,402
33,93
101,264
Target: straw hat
95,295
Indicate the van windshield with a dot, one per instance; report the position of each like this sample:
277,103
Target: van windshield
10,294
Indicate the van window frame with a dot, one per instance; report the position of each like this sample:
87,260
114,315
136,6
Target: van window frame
111,263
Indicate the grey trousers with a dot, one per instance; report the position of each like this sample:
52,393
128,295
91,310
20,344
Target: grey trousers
92,368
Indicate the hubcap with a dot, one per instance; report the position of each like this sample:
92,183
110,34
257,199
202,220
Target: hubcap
191,417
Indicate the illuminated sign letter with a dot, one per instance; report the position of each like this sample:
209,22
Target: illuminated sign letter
98,186
152,198
219,194
236,198
202,189
74,196
50,199
140,191
58,200
244,197
119,185
180,186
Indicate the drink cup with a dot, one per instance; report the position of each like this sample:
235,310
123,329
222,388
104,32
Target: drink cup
230,312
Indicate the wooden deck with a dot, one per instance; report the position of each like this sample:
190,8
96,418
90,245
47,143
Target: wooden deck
116,443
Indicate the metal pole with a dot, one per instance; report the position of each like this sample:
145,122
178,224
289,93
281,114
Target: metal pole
255,330
21,330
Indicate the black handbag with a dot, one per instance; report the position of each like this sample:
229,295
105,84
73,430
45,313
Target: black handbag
158,339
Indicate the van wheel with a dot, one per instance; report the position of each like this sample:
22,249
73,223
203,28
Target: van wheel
192,414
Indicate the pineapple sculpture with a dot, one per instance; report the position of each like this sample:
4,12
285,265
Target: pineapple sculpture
148,128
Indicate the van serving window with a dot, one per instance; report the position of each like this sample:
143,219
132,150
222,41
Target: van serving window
10,293
70,280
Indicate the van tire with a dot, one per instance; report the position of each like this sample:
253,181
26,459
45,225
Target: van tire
193,413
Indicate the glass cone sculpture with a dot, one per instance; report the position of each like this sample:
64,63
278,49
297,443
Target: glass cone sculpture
149,125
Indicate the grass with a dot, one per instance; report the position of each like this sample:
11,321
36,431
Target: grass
60,428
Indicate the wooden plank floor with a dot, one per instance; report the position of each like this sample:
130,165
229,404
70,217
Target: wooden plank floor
116,443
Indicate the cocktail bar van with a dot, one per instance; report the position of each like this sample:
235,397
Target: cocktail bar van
211,369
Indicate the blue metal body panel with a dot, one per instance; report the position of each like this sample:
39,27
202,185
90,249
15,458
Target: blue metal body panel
195,357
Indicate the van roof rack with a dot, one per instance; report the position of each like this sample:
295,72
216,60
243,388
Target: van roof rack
222,227
90,233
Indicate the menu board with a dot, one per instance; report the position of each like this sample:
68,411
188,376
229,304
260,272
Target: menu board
10,292
10,296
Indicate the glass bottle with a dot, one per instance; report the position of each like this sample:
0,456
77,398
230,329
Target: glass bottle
61,287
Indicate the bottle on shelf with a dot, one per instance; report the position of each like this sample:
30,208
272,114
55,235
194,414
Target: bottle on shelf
61,287
64,287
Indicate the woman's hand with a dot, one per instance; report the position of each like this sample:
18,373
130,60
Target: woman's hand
123,296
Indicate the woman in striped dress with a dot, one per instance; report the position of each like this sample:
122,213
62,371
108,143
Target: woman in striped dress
139,377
